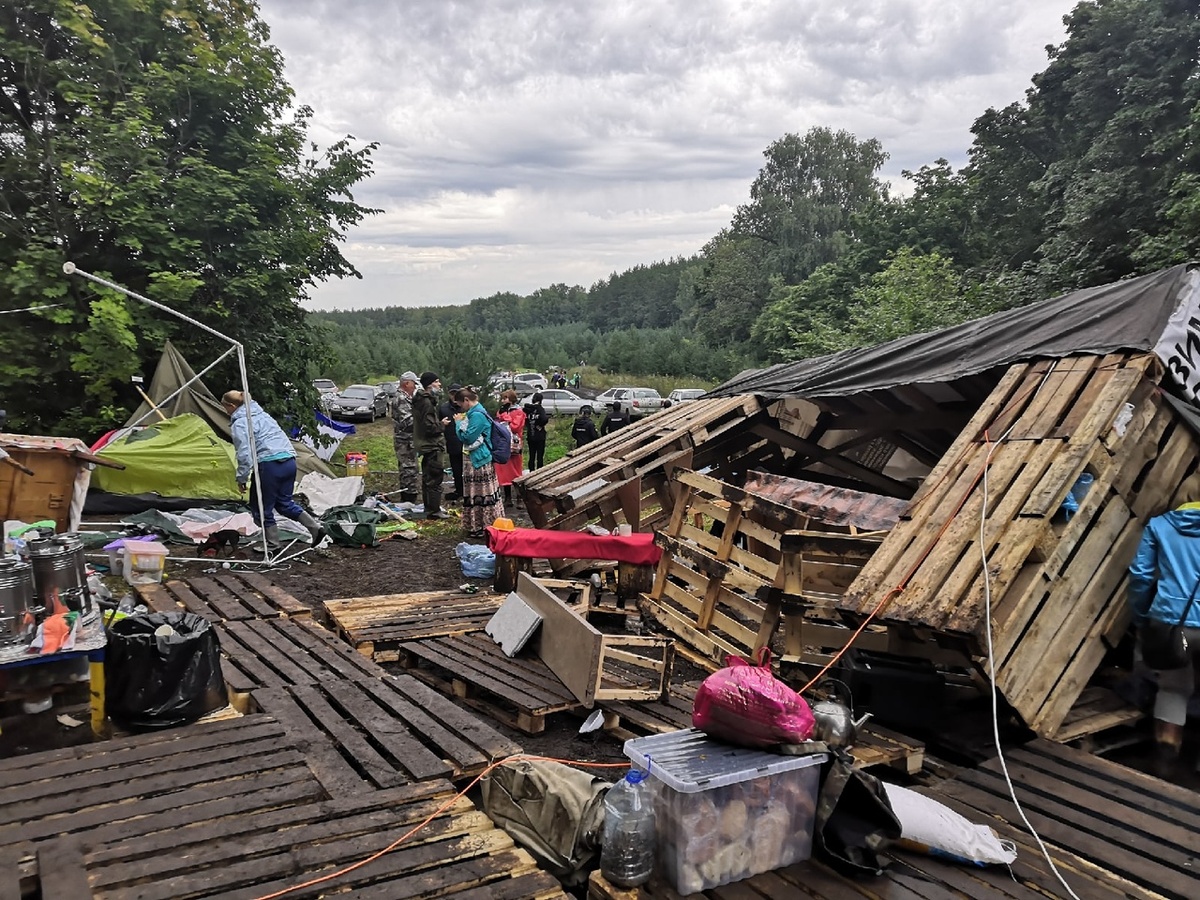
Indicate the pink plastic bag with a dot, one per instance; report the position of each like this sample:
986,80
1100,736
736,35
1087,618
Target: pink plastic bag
745,704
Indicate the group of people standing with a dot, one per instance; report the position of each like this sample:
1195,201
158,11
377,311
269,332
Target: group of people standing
429,427
584,428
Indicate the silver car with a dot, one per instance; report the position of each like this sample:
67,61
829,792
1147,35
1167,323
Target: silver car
359,401
565,403
685,395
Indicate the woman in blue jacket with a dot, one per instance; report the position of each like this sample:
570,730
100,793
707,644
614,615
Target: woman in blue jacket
481,504
276,466
1164,579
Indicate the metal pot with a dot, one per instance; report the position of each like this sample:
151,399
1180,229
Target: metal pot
17,621
835,722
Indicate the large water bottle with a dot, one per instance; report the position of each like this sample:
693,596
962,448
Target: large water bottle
627,851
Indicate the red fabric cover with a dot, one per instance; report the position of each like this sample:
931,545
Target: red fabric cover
534,543
745,704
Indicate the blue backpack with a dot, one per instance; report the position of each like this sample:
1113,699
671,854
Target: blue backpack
501,441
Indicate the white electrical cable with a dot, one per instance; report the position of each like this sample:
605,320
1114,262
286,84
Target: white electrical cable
987,608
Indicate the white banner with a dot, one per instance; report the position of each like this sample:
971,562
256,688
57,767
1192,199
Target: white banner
1179,345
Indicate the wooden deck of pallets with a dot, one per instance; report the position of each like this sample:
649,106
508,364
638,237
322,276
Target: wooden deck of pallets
1115,834
335,761
234,809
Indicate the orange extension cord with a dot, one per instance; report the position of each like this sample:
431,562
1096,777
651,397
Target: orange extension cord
433,815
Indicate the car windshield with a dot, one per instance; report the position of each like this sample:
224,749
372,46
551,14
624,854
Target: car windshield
359,393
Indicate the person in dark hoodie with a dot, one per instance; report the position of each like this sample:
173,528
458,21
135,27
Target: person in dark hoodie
454,447
584,429
615,419
1164,581
536,420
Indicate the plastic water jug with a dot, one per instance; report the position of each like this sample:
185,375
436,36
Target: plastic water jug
627,851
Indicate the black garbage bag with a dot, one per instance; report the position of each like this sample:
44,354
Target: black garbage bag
156,682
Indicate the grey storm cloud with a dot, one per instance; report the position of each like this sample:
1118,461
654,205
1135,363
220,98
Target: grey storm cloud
528,142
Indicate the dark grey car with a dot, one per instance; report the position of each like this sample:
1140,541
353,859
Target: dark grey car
359,401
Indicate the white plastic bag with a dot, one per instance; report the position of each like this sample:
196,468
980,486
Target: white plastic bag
932,827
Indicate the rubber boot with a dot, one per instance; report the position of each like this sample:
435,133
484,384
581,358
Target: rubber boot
272,536
315,528
1168,743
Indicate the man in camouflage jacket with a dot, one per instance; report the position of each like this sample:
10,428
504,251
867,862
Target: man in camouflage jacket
402,438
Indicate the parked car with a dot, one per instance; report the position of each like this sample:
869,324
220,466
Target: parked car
390,388
324,386
535,380
359,401
556,401
612,395
685,395
640,402
524,391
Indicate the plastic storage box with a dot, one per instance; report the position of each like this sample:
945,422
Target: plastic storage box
725,813
144,562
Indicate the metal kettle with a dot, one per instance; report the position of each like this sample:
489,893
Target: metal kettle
835,722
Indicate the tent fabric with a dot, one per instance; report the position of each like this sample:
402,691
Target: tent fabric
181,457
637,549
172,372
1128,315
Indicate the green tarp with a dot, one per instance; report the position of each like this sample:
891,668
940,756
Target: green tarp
179,457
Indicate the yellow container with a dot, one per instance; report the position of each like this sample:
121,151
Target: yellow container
356,464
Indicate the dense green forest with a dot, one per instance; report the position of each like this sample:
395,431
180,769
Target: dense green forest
154,142
1091,178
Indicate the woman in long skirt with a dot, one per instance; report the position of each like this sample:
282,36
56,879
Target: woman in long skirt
481,504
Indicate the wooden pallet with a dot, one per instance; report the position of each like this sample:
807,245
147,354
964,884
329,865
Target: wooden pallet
233,809
623,477
1056,587
224,597
383,732
260,653
1137,831
520,692
1098,709
727,595
377,626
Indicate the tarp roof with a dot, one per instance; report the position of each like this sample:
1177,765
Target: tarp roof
1127,315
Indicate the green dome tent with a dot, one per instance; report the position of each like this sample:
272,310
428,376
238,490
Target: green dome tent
178,457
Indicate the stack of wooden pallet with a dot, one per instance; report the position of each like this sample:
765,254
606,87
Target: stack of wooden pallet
1054,582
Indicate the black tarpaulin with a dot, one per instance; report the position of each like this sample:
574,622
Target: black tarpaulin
1128,315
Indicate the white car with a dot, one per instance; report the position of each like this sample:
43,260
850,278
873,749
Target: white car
565,403
605,401
685,395
534,380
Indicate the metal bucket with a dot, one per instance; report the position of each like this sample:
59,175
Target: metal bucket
59,569
18,623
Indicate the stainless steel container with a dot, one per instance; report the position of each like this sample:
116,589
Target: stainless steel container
60,574
18,624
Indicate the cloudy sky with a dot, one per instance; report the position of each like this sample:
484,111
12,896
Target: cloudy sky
524,143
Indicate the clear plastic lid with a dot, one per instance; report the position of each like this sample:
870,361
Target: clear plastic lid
690,761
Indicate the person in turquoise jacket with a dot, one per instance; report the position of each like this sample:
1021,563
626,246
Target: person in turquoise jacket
481,504
276,466
1163,579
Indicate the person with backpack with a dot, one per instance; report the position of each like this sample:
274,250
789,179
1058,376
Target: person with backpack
536,419
481,504
584,429
511,414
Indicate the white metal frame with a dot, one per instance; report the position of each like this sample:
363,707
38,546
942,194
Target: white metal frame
69,268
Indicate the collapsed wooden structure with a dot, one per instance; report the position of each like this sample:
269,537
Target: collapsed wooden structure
985,464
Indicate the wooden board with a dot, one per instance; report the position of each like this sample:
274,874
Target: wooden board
223,597
518,692
278,652
567,643
377,626
1098,709
388,732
